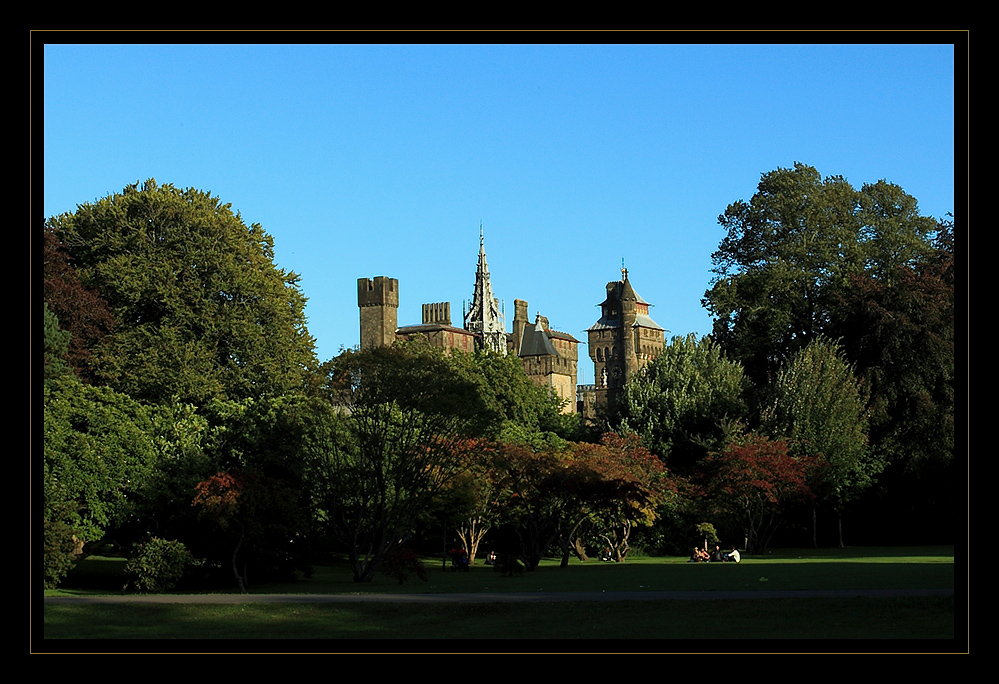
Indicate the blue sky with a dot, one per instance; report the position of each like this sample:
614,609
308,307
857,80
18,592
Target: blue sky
365,160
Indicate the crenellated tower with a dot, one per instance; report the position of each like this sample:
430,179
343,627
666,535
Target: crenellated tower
378,300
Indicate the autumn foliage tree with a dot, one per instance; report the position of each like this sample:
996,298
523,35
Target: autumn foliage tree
80,310
255,518
538,494
629,485
751,484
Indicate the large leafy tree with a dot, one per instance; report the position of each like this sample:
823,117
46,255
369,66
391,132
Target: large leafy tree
401,425
817,403
791,247
200,309
100,447
898,330
751,484
683,400
522,410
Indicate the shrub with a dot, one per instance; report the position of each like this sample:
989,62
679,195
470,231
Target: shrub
508,565
58,549
158,565
403,563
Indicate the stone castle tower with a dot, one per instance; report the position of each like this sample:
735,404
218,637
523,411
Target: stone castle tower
378,300
622,341
549,357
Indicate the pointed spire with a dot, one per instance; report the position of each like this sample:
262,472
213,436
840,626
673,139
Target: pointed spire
484,316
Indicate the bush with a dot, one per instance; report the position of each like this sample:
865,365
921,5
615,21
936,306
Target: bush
158,565
402,563
508,564
58,549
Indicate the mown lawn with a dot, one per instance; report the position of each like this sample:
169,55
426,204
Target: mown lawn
650,625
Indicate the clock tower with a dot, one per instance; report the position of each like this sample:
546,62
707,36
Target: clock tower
623,340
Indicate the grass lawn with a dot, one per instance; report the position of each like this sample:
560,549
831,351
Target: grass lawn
648,623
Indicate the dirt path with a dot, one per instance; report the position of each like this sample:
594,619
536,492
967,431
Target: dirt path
548,597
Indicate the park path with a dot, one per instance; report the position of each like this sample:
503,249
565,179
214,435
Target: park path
512,597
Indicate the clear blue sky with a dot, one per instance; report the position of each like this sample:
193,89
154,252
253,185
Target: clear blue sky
365,160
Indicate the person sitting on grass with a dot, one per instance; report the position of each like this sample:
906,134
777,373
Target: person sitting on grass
717,556
733,555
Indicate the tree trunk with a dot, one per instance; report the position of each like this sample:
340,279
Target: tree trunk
235,569
839,525
815,527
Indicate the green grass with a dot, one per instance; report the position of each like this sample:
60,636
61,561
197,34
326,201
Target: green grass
923,618
882,619
862,568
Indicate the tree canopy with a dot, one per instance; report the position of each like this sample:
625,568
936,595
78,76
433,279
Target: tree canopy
200,309
400,426
818,405
788,249
682,401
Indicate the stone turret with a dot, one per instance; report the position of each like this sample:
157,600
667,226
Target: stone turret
378,300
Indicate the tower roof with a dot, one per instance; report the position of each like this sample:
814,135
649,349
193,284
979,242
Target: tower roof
617,293
536,342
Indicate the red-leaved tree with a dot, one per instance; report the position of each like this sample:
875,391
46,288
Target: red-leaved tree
752,483
626,488
255,516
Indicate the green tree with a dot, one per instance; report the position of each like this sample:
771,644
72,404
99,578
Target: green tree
898,331
56,343
791,247
401,426
521,410
99,450
201,310
819,406
683,400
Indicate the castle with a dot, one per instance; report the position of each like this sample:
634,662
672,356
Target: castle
623,340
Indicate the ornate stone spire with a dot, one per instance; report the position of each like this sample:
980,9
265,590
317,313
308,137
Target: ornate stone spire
484,316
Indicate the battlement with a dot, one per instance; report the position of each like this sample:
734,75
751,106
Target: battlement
378,300
378,291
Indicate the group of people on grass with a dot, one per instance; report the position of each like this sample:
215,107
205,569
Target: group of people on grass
716,556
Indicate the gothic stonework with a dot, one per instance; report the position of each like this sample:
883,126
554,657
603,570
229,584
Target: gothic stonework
621,342
484,317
